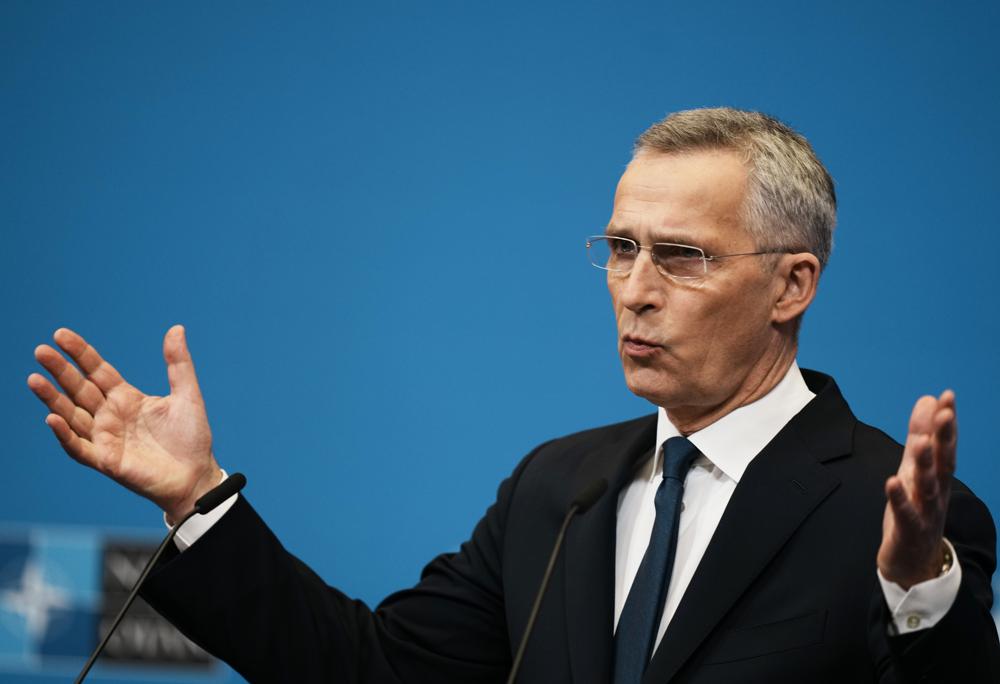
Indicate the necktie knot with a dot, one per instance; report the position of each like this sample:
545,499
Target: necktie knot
678,455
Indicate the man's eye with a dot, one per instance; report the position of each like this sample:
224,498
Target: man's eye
621,247
678,252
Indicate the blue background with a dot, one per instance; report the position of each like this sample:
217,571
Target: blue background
370,217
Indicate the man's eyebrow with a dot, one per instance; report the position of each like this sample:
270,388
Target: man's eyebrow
677,240
671,238
618,231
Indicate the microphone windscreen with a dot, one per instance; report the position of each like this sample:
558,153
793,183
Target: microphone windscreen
589,496
214,497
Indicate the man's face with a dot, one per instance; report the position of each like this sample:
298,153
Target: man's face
690,343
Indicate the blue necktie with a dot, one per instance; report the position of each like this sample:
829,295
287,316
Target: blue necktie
640,618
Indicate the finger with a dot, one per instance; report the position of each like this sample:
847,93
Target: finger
916,444
917,460
921,424
97,370
180,367
945,437
83,392
945,442
79,449
926,488
79,420
902,508
944,426
922,416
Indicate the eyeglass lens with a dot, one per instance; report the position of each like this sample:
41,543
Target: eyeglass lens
619,255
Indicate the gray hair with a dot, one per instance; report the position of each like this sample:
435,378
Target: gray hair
790,203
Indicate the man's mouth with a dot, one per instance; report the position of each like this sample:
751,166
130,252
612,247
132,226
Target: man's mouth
639,347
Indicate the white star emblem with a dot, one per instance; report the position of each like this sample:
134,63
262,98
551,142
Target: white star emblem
34,599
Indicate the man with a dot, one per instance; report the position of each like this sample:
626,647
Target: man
754,530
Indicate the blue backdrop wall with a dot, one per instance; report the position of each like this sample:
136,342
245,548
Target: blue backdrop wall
370,217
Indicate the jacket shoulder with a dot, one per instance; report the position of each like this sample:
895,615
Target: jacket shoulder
604,433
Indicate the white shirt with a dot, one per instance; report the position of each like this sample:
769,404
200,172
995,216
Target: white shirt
727,446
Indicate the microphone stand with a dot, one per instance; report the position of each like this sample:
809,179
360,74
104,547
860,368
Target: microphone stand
206,503
580,504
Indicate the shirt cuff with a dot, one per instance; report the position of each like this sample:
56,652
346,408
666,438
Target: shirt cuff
925,603
197,525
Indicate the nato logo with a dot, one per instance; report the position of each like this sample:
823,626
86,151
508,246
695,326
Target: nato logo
996,602
59,591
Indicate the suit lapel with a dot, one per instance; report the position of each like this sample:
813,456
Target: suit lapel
779,489
590,555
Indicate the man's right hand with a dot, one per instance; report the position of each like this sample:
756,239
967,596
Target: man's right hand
159,447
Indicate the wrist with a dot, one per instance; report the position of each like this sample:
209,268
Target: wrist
940,561
211,479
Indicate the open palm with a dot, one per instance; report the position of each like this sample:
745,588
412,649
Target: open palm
159,447
912,549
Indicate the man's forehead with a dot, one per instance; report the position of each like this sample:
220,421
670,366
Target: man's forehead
696,171
674,197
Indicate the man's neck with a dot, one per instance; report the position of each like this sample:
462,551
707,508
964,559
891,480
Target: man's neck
764,376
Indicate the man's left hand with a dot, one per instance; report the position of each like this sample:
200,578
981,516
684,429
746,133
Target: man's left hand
913,546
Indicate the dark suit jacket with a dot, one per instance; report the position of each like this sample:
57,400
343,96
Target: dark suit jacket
786,591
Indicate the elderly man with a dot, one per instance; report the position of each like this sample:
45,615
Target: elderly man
754,531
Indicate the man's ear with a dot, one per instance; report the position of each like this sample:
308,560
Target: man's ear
798,275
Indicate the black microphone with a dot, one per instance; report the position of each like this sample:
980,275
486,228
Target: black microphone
581,504
206,503
589,496
214,497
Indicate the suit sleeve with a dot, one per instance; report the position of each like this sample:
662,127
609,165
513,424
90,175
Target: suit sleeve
240,595
963,646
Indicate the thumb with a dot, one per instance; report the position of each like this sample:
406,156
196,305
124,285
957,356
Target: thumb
180,367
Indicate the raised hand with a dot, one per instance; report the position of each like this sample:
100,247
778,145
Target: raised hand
912,548
159,447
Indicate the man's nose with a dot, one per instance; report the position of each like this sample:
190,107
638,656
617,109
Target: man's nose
643,285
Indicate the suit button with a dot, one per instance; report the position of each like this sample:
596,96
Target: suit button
913,621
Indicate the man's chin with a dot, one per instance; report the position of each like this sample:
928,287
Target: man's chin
653,388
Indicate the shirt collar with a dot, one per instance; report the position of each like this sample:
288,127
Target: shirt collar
732,442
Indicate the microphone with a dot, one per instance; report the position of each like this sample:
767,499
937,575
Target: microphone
203,505
589,496
213,497
581,504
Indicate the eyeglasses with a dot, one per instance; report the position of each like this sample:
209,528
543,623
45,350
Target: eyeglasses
618,255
